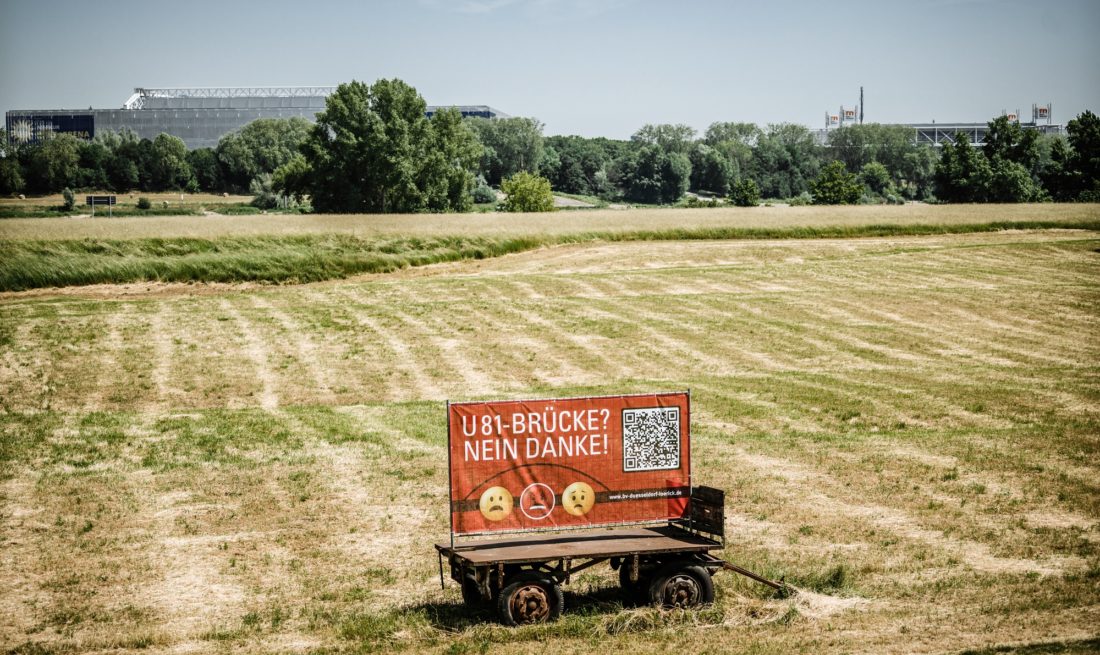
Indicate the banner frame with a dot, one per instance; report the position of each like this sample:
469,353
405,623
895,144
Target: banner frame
450,480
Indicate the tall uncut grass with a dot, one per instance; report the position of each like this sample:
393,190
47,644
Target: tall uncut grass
31,264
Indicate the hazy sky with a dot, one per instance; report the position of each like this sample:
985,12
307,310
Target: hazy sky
590,67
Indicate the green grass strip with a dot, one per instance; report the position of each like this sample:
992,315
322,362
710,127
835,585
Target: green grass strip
36,264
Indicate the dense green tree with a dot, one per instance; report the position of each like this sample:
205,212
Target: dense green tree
135,157
52,164
123,174
963,173
710,170
575,164
653,175
735,141
372,151
259,147
292,179
721,132
1058,175
446,173
114,139
11,175
95,159
876,178
745,193
205,168
510,145
836,186
1010,181
168,165
911,166
786,158
1084,138
1007,140
670,138
527,193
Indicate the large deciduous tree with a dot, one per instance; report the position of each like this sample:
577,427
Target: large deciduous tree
836,186
168,163
963,173
53,164
260,147
785,160
510,145
911,166
653,175
735,141
204,165
710,170
1084,138
373,150
670,138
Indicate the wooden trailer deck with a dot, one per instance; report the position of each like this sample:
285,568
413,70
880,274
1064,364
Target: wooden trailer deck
603,544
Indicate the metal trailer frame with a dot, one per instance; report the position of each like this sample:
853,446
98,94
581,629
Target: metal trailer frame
668,565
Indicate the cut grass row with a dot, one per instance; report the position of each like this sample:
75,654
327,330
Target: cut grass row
32,264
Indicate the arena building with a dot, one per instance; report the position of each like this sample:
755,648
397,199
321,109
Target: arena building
200,116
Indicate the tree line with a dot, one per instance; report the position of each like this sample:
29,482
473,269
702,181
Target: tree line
373,149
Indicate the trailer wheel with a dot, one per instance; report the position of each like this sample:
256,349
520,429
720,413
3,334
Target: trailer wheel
681,585
636,593
530,599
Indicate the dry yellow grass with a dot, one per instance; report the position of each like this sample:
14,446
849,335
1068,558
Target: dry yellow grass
558,223
173,197
906,427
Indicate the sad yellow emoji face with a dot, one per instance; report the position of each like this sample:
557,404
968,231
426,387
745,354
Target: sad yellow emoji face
496,503
578,498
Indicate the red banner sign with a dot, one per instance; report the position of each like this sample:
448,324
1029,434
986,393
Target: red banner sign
568,462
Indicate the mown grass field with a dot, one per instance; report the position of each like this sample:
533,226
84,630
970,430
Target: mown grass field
908,429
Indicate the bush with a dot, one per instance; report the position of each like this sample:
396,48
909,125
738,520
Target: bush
527,193
69,200
836,186
143,203
696,202
745,193
483,194
801,200
262,188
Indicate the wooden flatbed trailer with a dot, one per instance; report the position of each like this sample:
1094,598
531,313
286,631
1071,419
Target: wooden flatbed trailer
667,565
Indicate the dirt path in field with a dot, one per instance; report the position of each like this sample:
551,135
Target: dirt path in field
21,589
162,341
306,349
194,594
800,485
257,352
107,353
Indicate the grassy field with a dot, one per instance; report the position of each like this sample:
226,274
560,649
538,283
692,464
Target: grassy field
529,225
907,427
307,249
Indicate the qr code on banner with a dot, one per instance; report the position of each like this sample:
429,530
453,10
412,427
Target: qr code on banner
651,439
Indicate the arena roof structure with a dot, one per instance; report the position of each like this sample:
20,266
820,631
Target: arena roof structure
200,116
939,134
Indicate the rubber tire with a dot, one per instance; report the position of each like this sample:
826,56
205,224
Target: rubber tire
687,573
635,593
551,590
